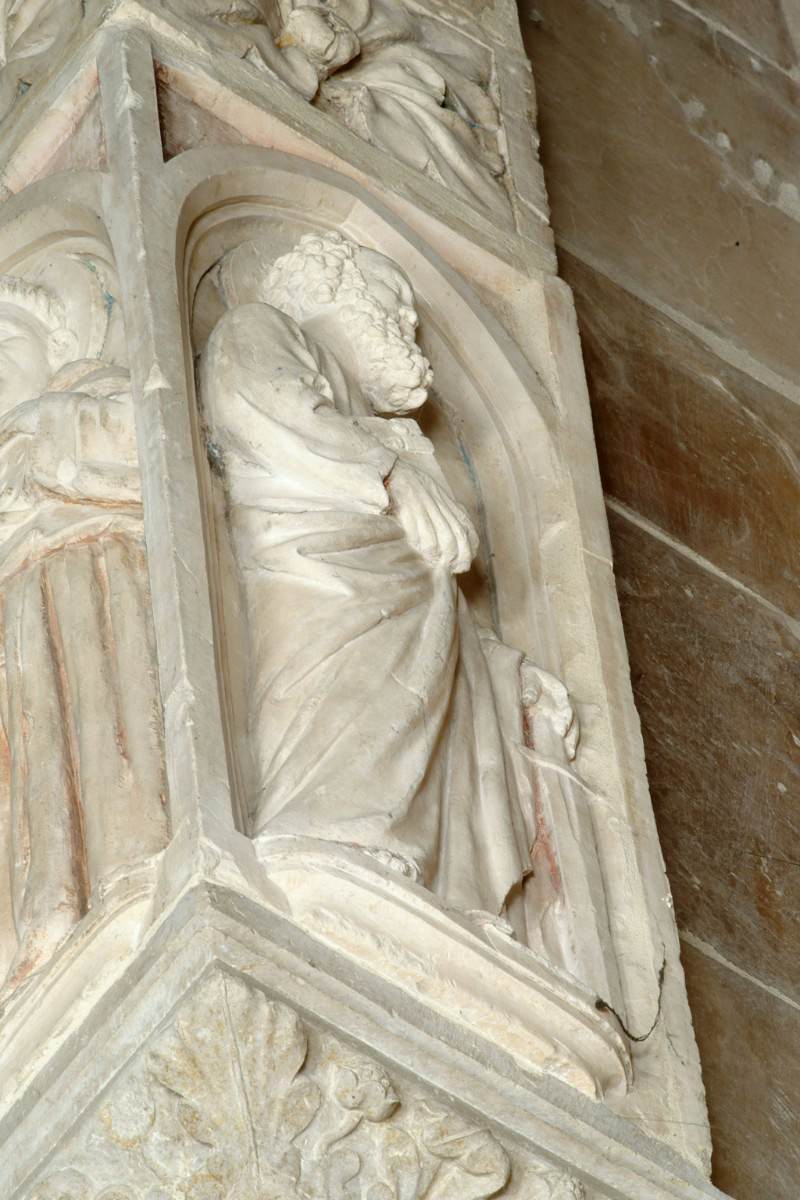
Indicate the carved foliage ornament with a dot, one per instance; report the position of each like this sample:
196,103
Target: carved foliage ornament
238,1100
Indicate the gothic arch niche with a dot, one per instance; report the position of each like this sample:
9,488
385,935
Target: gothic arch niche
491,423
82,794
338,937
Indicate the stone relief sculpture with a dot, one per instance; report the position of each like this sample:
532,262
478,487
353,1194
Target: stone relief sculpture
306,1117
387,73
261,946
381,716
81,762
390,75
255,30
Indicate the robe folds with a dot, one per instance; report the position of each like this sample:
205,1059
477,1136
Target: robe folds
400,99
375,719
81,768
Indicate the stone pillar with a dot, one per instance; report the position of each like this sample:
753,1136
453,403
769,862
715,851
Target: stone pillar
329,869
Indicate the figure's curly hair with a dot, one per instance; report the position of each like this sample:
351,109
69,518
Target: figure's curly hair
37,301
322,272
44,306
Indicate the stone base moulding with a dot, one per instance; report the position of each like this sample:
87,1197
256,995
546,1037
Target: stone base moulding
239,1057
467,965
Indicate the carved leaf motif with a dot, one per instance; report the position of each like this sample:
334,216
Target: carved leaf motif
271,1050
400,1167
227,1071
563,1187
226,1107
474,1164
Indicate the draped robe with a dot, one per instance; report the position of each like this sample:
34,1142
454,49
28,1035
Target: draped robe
417,107
31,32
374,718
81,762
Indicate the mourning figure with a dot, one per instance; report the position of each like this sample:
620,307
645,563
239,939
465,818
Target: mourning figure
81,773
387,73
380,715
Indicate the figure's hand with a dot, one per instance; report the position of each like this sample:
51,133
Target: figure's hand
326,39
85,448
436,525
17,434
547,700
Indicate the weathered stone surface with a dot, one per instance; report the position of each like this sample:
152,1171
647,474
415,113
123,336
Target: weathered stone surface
223,1068
234,1098
669,139
747,1041
766,27
185,125
717,682
704,451
683,176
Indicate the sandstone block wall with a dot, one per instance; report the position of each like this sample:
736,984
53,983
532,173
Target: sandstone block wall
670,139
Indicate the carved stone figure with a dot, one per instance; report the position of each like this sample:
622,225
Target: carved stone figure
423,102
381,716
301,897
254,29
388,74
81,765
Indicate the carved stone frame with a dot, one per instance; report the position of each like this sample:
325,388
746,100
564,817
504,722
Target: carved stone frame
547,1128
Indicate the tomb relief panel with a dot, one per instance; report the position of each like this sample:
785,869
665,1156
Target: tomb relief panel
386,639
373,701
403,81
81,774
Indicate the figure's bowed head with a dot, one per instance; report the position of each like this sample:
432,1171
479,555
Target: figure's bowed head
361,305
353,300
35,341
